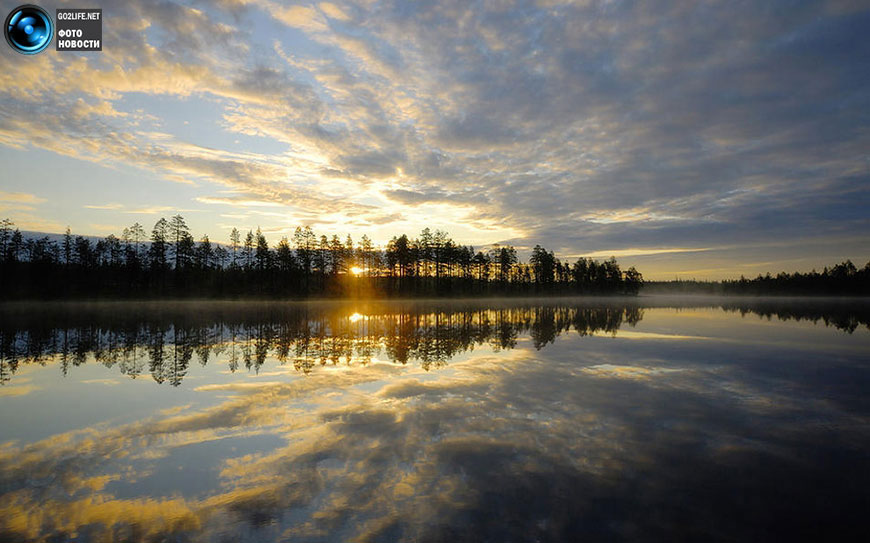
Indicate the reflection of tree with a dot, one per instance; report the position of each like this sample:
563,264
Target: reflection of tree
545,328
133,363
841,318
182,353
164,342
233,355
155,353
504,334
6,371
588,321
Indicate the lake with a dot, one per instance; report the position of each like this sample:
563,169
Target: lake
653,419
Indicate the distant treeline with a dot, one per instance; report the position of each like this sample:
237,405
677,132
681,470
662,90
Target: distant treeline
843,279
168,263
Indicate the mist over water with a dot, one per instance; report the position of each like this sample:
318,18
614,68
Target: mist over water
488,420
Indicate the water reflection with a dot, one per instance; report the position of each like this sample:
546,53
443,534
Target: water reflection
523,437
163,343
164,339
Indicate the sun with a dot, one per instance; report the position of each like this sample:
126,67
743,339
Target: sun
356,270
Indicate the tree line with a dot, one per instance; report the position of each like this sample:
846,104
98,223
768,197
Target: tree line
843,279
168,262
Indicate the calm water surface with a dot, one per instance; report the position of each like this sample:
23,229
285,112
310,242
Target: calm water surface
561,420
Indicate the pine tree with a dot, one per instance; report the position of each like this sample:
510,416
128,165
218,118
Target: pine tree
178,232
157,251
262,253
235,240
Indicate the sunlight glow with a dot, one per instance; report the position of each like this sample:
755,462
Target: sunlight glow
356,270
355,317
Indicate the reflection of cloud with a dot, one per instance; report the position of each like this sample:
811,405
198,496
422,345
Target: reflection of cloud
236,387
18,390
392,452
626,372
631,334
142,518
109,382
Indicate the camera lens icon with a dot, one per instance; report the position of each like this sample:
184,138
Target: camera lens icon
28,29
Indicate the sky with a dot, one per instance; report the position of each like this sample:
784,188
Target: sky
687,138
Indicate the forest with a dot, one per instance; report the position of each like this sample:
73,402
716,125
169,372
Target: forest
843,279
169,263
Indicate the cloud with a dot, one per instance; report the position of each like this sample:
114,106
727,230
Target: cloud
20,198
151,210
303,17
641,252
109,207
584,126
332,11
237,202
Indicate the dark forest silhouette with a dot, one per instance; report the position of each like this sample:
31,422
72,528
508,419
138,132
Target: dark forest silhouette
843,279
168,263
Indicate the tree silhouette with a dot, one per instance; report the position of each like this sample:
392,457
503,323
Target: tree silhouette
284,257
157,250
178,234
235,240
262,254
248,251
204,254
170,264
